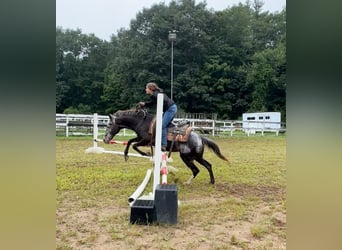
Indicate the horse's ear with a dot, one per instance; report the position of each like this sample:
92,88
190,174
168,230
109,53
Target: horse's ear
111,117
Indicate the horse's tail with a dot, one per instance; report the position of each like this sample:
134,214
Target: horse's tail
214,147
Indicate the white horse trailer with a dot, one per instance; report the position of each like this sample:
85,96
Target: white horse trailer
261,121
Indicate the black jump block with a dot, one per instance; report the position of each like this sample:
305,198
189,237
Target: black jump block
143,212
166,203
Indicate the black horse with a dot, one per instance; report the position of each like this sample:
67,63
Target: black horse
140,121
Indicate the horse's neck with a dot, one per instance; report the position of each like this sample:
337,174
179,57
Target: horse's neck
129,122
135,123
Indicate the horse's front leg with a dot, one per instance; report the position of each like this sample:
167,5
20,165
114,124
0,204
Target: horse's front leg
140,143
128,145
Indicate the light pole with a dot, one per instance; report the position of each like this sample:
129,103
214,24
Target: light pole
172,38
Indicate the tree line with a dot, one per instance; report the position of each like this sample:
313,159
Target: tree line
227,62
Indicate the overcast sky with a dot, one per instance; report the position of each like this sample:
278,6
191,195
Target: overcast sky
106,17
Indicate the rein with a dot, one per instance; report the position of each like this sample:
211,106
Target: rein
145,115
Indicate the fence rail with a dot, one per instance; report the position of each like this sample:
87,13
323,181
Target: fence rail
78,124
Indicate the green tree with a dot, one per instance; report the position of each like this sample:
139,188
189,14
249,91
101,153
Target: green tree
80,63
267,80
267,73
226,62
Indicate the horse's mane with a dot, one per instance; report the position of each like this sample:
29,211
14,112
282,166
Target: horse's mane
130,112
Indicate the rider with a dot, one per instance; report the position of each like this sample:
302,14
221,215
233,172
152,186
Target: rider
169,108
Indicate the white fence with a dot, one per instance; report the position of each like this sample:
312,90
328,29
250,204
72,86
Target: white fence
77,125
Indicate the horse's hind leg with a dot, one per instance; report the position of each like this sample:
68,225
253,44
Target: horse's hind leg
190,164
207,165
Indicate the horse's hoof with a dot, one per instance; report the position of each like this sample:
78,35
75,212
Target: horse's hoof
126,157
188,182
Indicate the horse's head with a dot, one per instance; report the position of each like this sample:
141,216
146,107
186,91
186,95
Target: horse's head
130,119
112,129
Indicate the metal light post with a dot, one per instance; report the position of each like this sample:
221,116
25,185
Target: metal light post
172,38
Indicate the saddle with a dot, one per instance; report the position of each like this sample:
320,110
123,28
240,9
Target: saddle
176,131
179,131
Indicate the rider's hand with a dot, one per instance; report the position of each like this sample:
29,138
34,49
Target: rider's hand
140,105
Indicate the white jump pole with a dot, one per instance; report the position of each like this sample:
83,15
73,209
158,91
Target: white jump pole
164,169
67,126
157,157
141,187
95,148
122,153
95,130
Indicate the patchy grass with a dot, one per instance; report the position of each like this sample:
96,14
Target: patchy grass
245,209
